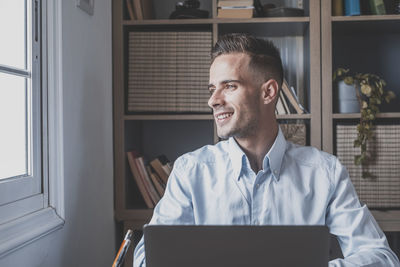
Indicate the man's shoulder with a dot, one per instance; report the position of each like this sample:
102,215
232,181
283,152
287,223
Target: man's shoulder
308,155
207,154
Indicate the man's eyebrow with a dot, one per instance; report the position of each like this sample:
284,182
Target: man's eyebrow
224,82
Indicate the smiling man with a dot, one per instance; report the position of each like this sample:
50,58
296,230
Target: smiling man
256,177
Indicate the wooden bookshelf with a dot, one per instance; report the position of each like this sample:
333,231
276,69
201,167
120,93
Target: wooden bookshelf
320,32
372,36
128,124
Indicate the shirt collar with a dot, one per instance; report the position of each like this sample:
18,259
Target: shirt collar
276,153
273,159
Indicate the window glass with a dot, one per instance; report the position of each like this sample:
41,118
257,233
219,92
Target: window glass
13,31
14,126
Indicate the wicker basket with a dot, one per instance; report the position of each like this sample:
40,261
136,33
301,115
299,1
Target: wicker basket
383,191
295,132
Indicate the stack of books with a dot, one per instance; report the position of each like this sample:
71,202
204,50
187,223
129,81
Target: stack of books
169,71
288,102
152,178
235,9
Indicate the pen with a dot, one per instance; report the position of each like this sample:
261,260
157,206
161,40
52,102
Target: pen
123,249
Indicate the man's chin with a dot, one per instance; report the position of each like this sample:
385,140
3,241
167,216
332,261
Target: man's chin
224,134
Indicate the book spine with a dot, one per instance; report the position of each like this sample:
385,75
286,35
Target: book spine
377,7
148,183
337,7
130,9
352,7
140,183
291,98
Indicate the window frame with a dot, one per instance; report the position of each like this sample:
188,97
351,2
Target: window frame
43,212
28,186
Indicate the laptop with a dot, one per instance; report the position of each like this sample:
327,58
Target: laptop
234,246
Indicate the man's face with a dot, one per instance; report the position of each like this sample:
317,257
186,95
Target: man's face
236,96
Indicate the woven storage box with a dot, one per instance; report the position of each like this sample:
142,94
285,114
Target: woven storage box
168,71
295,132
384,190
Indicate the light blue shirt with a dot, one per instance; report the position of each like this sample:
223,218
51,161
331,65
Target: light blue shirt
215,185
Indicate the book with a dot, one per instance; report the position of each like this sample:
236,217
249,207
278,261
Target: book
279,106
147,181
147,9
292,99
242,13
352,7
158,167
158,183
284,102
136,175
377,7
235,3
337,7
137,7
130,9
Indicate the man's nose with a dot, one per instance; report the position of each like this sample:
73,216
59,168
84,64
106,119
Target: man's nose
216,99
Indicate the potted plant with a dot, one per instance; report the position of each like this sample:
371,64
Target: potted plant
370,94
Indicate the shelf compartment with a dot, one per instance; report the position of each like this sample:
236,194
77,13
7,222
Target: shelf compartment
356,49
368,25
151,138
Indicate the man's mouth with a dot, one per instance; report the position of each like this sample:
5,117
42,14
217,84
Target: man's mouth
223,116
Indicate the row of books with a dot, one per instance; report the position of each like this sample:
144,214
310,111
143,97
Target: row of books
288,102
151,178
168,71
357,7
235,8
140,9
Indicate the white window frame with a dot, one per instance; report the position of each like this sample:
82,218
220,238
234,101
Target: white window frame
43,212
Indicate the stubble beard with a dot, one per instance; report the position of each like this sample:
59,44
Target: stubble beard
240,131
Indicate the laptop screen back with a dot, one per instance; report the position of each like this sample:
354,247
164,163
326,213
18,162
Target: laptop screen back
209,246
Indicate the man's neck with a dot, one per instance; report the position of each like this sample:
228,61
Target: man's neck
257,146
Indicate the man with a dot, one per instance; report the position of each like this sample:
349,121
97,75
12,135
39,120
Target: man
256,177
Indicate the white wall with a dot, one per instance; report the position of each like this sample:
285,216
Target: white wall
87,238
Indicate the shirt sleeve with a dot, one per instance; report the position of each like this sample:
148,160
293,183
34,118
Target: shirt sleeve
175,207
362,241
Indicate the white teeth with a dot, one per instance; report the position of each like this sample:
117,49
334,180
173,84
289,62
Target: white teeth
224,116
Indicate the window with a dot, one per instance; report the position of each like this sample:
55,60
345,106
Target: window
20,109
29,116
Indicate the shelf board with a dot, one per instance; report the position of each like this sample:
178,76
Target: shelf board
366,18
215,20
388,220
170,117
394,115
293,116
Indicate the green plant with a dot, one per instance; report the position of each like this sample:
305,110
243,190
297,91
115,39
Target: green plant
370,94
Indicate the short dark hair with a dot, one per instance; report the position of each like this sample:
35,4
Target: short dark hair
264,56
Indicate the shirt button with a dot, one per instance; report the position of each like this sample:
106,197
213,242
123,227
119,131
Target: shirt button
257,185
275,172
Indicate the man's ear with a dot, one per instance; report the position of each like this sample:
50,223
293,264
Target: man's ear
269,91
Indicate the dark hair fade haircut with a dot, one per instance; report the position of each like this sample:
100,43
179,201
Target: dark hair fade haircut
264,55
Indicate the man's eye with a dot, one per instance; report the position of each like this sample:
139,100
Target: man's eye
230,86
